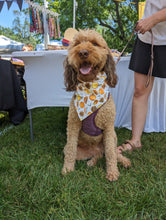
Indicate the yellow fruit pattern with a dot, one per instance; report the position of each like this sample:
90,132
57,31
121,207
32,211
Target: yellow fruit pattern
78,97
82,105
95,85
90,96
101,91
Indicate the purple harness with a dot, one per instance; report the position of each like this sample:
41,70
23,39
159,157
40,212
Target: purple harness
89,126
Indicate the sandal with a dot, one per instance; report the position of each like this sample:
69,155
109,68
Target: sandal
133,146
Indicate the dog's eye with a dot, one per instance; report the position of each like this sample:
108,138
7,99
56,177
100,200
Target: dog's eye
95,44
76,43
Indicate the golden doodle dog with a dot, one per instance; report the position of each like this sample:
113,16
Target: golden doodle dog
89,72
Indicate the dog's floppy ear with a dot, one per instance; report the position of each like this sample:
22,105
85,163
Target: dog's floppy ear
110,70
70,76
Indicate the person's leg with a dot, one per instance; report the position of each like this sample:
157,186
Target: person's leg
139,109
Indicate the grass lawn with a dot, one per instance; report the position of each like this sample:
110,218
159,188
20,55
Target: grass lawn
32,187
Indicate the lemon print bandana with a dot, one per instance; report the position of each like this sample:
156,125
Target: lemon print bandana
90,96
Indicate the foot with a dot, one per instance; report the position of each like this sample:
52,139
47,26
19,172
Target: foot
67,168
129,146
113,176
92,162
123,160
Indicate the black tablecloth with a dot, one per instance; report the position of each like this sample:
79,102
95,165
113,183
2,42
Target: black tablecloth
11,97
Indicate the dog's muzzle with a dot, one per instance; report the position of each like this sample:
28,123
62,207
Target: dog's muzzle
83,54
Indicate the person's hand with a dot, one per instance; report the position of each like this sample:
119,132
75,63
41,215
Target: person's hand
144,25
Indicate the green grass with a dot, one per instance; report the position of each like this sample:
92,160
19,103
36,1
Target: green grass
32,187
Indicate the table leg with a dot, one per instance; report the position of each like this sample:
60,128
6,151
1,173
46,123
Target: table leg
31,124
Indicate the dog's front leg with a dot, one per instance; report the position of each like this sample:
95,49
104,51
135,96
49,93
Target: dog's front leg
110,153
70,150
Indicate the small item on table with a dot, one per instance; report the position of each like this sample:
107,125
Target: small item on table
114,52
68,36
27,47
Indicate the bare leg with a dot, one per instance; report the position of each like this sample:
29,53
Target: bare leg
139,108
140,105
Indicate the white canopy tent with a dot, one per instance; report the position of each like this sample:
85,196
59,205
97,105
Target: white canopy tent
7,45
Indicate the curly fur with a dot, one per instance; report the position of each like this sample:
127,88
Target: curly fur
89,47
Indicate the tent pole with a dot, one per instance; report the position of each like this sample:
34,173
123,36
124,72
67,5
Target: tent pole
74,10
46,36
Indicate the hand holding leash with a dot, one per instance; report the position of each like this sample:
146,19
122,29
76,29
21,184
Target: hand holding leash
139,28
144,25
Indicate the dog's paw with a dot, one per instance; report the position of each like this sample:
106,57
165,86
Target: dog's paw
127,163
92,162
67,169
124,160
113,176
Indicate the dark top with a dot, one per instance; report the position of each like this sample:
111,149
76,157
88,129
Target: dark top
11,97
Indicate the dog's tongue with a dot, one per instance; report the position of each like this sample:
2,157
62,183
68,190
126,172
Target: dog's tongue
85,70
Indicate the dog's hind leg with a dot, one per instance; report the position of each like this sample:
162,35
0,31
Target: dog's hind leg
99,151
94,159
84,152
123,160
88,152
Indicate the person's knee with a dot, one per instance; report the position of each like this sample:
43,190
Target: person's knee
139,91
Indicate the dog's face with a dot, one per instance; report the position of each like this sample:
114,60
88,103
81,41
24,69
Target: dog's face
88,54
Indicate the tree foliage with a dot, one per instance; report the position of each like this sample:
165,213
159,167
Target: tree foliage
20,30
114,19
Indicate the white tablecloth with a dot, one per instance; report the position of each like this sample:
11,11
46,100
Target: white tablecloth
45,87
123,93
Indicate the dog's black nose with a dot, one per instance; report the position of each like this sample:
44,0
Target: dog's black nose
83,54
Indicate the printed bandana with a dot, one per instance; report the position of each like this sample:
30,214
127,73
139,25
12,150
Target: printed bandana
90,96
